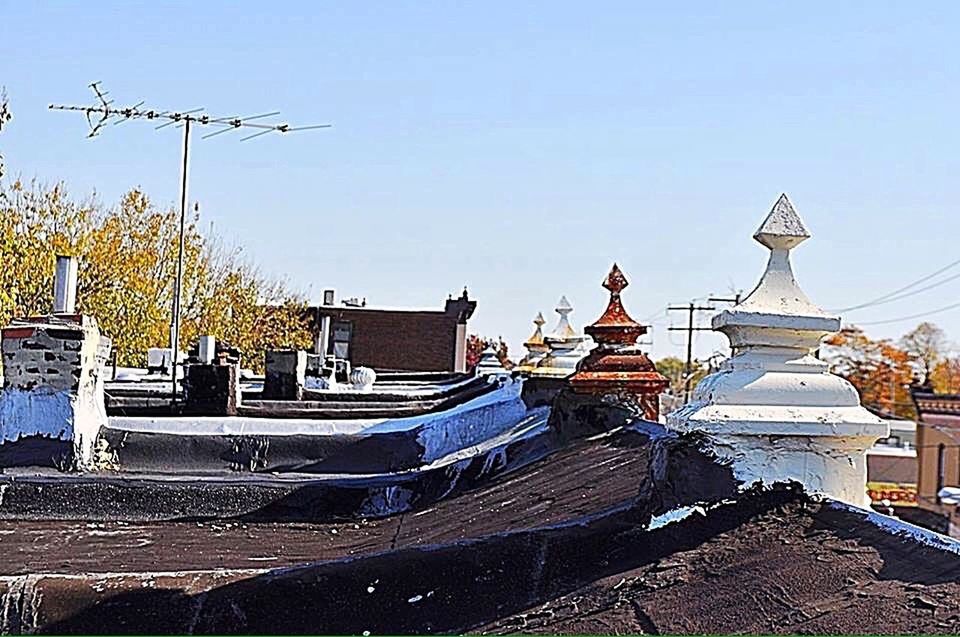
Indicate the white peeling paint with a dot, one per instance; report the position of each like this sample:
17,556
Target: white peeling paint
674,515
42,411
903,529
773,411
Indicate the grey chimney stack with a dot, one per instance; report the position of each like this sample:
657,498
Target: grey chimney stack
65,285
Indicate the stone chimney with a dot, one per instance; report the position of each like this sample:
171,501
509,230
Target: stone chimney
566,347
536,347
617,367
773,410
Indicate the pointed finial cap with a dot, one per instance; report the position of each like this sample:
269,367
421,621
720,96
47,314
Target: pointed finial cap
777,313
615,326
616,281
782,229
563,331
535,342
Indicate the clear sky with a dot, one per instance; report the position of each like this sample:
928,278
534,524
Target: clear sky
521,148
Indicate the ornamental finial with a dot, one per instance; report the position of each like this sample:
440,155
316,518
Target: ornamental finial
782,229
616,281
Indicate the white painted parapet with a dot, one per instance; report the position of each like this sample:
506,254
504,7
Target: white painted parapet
773,410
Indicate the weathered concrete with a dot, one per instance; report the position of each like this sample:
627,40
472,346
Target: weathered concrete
285,376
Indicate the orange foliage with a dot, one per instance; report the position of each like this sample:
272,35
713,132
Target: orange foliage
880,371
476,345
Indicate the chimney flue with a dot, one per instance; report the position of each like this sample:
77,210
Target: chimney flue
65,285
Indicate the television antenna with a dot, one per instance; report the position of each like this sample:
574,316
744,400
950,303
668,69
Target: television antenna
102,112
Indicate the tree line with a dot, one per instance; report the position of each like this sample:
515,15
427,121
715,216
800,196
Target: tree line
127,257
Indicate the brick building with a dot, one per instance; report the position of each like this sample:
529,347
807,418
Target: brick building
423,340
938,456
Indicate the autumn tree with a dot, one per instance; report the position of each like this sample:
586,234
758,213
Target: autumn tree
945,377
881,372
475,346
127,255
926,344
674,369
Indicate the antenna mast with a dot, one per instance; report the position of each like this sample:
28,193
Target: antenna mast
103,112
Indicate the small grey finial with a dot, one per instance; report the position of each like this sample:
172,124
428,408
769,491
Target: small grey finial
782,229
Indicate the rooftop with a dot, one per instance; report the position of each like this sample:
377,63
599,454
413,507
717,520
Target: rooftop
630,532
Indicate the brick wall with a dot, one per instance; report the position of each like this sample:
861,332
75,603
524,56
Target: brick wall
42,356
400,340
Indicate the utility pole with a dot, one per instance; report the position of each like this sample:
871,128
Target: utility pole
719,299
102,112
733,301
691,310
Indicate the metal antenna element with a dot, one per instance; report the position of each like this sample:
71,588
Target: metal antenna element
103,112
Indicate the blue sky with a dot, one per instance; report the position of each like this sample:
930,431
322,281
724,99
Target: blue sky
521,148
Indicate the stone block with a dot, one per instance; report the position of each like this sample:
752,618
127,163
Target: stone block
285,375
211,390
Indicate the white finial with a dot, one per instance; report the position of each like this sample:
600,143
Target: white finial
563,328
774,411
489,362
777,312
782,229
565,345
539,320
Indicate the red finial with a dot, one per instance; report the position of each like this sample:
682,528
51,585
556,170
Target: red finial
615,281
616,366
615,326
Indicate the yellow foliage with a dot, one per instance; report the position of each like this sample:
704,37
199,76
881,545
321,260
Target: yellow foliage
945,376
128,260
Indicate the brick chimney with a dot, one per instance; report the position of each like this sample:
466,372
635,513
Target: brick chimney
773,410
52,406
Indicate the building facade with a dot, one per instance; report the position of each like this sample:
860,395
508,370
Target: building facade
395,339
938,456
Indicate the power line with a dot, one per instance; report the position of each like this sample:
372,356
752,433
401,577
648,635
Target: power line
912,316
915,292
103,112
884,298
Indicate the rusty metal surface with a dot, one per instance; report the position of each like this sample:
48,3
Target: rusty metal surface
616,366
